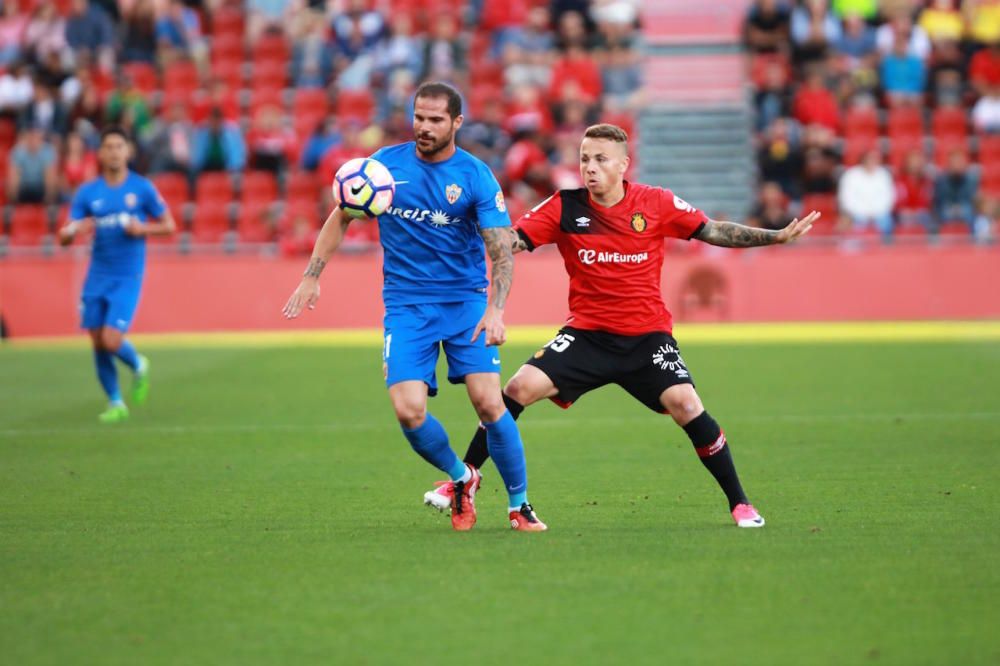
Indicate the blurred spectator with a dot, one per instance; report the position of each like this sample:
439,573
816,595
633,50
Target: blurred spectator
866,9
903,75
914,192
397,95
771,210
444,53
767,27
813,29
218,145
986,112
947,84
348,148
357,30
572,30
45,34
780,159
323,138
814,103
819,169
128,107
171,143
942,22
179,36
312,59
866,194
566,170
575,66
271,144
901,30
139,33
526,161
857,40
528,56
621,79
773,99
485,136
955,192
16,89
46,112
90,33
402,49
265,16
983,20
13,24
31,172
984,68
79,164
527,108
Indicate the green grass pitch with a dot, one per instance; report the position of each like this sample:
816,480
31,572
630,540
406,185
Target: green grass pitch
264,508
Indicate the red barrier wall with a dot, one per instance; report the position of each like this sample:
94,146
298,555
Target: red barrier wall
206,293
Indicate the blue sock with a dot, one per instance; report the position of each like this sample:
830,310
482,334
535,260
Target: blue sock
504,443
107,374
127,355
430,441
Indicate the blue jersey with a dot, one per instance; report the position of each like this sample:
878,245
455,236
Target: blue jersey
114,252
430,234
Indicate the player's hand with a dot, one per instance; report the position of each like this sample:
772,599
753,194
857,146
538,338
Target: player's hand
492,323
135,228
70,230
305,295
798,228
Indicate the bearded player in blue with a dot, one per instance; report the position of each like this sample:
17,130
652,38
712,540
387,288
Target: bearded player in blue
447,213
120,208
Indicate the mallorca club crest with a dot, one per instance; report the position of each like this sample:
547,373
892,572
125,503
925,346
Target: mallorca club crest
452,193
638,222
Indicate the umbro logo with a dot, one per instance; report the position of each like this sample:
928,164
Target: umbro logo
582,221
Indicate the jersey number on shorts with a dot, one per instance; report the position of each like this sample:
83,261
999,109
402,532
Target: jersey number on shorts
561,342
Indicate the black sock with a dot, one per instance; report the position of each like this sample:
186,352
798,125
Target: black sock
478,453
710,445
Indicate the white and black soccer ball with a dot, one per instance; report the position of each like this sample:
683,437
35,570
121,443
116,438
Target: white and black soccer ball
363,187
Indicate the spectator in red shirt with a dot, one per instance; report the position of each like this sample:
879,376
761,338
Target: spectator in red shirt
79,165
914,192
576,66
814,104
984,68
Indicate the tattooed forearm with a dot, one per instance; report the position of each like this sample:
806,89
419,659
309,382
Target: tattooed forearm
315,267
731,234
517,243
498,246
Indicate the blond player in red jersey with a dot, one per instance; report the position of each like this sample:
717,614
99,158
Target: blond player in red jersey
610,235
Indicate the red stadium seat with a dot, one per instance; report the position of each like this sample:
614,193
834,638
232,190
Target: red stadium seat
259,188
856,147
905,122
990,182
227,48
229,72
180,77
173,187
902,146
861,123
355,105
950,123
311,102
826,205
268,75
8,134
944,147
954,229
304,185
210,222
252,225
989,151
29,225
227,21
213,187
143,76
264,97
271,48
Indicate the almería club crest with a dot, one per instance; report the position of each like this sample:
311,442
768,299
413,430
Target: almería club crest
452,193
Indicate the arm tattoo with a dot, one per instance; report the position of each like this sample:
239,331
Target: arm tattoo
731,234
498,246
518,244
316,266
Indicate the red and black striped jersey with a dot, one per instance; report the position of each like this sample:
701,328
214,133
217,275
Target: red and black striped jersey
613,255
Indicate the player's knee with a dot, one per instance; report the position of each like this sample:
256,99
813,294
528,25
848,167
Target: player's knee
410,414
489,408
683,403
519,391
111,341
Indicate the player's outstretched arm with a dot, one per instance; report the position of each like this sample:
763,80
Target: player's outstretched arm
329,239
162,226
732,234
498,246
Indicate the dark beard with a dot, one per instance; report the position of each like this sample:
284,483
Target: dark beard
435,148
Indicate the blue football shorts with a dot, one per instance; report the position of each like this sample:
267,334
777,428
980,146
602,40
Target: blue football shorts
109,301
414,335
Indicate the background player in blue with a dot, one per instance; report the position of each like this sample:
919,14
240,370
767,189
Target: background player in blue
120,208
448,209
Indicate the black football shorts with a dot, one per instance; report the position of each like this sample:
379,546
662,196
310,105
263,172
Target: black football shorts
579,361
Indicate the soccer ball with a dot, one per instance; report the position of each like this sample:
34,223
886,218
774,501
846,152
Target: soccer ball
363,187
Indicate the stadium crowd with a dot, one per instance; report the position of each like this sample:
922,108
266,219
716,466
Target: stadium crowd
241,112
864,110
